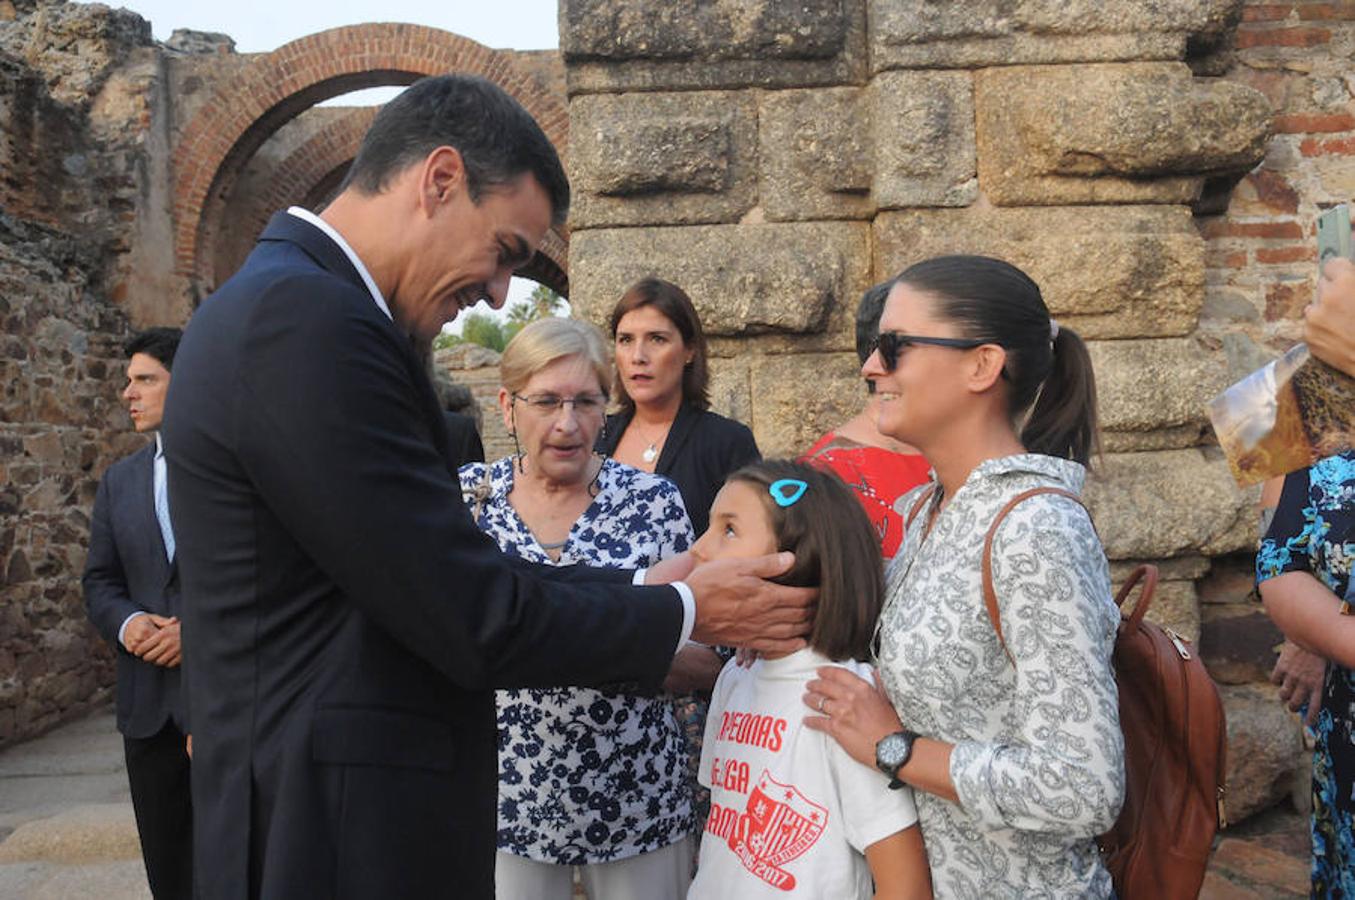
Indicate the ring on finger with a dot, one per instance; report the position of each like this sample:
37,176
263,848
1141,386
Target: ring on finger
823,701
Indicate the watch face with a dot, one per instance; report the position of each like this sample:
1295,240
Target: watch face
892,751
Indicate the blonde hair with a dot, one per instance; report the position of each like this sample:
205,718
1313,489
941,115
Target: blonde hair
546,340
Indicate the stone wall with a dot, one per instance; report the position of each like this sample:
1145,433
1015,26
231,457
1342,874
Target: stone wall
776,159
70,159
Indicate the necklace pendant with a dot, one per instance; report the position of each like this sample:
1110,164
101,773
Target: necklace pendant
651,453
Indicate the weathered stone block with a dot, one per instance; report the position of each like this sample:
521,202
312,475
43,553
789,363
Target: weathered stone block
612,45
924,139
75,46
1170,503
656,159
1232,580
1237,642
815,154
916,34
1146,387
1265,746
1139,133
1179,568
800,279
1172,438
730,393
1107,272
799,396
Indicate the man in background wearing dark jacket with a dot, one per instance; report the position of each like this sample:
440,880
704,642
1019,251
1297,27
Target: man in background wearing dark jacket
132,593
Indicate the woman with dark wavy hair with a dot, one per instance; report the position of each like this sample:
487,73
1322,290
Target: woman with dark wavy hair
665,426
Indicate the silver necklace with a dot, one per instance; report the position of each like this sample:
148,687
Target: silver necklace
651,453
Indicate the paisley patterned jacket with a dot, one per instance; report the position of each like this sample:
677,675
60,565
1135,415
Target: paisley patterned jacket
1038,762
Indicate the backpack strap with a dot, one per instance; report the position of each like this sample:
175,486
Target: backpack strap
989,595
1146,573
921,502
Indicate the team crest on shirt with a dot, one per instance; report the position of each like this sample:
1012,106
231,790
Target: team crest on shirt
779,825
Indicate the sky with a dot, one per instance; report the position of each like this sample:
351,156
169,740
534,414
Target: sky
262,25
259,26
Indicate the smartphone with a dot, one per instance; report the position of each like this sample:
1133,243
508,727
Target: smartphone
1333,234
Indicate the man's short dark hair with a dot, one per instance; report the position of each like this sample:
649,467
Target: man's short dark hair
160,343
868,313
498,140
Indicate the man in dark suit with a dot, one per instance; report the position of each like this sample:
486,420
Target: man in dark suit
463,438
132,594
463,424
349,621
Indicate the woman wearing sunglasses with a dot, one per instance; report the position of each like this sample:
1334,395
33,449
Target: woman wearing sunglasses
588,778
876,467
1011,741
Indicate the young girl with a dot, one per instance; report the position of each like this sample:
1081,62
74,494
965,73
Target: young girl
791,812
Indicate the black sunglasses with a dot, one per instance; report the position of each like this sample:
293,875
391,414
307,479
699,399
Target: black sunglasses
892,343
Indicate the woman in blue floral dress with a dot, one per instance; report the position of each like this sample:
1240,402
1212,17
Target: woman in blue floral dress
1304,571
590,778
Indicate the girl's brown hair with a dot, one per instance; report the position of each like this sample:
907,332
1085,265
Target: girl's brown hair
836,550
677,307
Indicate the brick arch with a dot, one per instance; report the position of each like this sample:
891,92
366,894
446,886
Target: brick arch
274,88
309,175
304,176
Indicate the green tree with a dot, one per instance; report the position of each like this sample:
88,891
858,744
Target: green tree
485,330
447,340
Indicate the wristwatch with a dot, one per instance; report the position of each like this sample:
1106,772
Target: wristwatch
892,753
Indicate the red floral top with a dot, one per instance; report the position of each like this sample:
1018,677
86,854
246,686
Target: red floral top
878,476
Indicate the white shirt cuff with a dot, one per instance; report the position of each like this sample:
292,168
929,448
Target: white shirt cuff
688,606
124,629
688,613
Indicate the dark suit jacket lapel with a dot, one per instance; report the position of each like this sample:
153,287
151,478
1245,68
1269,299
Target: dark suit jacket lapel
318,246
678,435
141,513
617,424
330,256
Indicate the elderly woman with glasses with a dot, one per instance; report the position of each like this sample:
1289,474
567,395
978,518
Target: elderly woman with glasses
590,778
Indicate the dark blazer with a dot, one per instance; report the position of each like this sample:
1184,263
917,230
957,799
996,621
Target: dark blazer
463,439
353,620
126,572
702,448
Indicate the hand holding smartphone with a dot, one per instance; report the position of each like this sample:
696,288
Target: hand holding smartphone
1333,235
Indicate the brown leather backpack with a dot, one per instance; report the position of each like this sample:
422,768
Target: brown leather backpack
1175,742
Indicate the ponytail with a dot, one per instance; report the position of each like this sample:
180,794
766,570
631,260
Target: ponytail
997,303
1063,421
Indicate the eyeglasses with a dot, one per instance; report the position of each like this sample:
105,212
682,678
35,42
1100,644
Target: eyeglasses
549,404
892,343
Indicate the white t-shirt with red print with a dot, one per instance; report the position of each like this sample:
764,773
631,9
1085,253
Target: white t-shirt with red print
791,814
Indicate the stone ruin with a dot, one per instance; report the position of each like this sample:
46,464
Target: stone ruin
1156,166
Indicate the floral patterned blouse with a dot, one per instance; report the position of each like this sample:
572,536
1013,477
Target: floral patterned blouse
1038,762
1314,531
589,776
